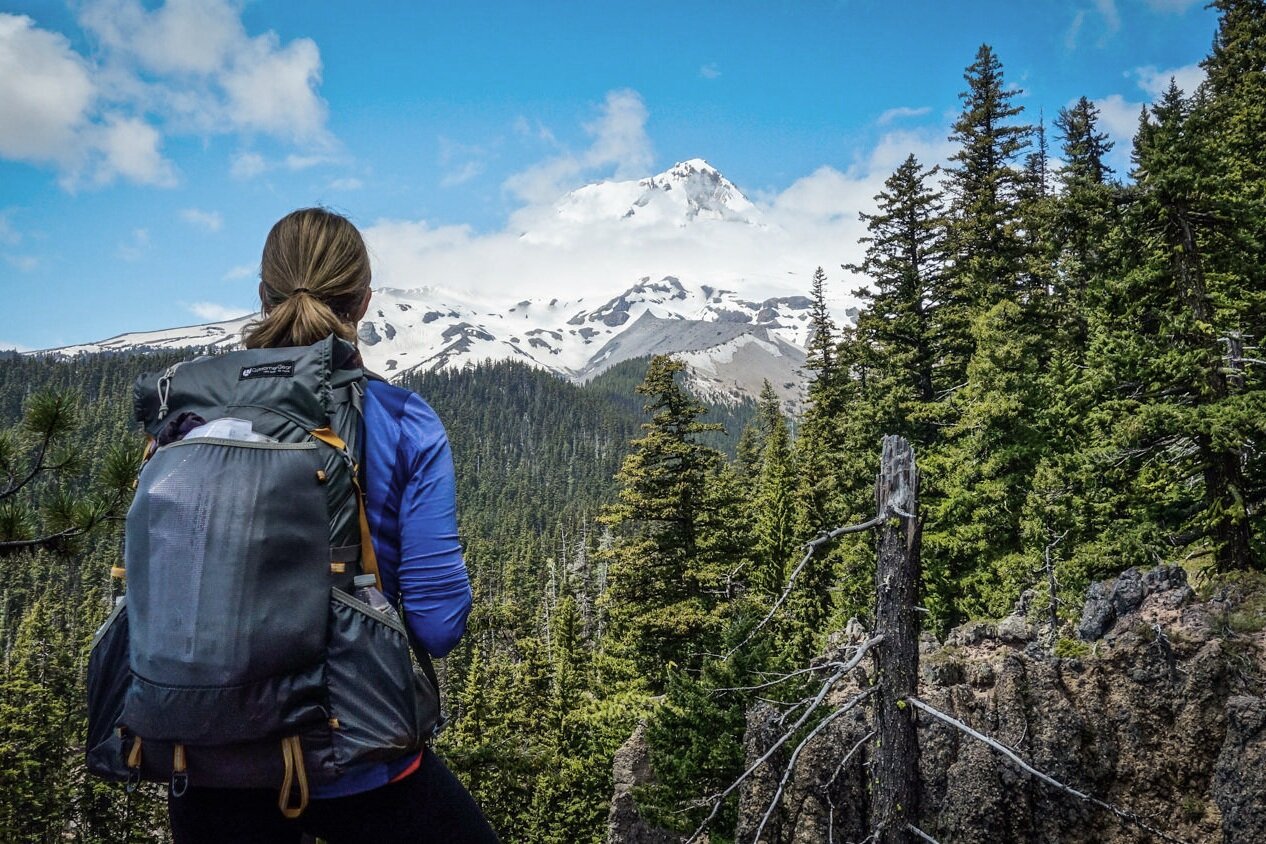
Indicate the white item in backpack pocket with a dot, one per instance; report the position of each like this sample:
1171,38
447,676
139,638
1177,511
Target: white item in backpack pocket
229,428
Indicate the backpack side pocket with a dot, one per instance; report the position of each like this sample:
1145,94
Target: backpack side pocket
374,706
108,679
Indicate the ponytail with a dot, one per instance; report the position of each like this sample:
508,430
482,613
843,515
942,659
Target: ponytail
314,275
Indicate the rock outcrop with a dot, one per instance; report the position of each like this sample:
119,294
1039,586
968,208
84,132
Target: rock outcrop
631,768
1158,708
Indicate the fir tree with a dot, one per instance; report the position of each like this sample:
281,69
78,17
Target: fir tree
985,188
778,531
1171,411
661,597
904,264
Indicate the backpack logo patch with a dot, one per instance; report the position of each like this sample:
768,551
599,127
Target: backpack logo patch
280,369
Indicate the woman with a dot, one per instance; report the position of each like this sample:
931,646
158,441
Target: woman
314,281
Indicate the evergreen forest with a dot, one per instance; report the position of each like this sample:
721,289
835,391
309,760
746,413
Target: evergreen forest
1073,352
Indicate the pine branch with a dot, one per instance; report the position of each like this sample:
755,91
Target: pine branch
14,486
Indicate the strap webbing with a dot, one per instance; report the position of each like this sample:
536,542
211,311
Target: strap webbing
368,559
134,755
292,758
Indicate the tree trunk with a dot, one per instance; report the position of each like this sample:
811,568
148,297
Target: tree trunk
895,775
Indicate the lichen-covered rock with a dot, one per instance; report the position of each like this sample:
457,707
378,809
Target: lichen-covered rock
1162,716
1015,630
1240,779
1097,615
1127,592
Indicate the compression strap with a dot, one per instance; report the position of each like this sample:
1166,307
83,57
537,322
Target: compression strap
368,559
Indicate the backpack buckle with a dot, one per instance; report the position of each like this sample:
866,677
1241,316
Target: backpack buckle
133,780
179,783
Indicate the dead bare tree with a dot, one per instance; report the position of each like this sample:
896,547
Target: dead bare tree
895,770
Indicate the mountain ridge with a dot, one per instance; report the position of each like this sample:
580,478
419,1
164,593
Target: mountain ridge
733,335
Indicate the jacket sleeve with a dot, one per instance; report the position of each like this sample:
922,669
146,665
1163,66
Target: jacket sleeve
432,577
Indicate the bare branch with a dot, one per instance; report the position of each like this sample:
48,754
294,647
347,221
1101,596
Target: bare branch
795,754
1123,814
810,546
921,833
847,756
817,701
781,679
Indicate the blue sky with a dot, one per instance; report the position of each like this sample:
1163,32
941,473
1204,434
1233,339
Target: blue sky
146,148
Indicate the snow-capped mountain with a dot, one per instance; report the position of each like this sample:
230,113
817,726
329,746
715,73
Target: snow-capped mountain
732,341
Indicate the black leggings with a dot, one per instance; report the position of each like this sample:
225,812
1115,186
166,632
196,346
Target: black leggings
428,805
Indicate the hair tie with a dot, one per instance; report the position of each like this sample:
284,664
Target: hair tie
299,290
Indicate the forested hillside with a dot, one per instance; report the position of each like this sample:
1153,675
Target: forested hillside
1071,351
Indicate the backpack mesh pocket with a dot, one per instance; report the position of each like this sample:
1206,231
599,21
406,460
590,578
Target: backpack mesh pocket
373,699
227,561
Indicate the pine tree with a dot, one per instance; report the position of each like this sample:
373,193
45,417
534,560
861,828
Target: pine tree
1083,220
778,530
35,712
985,188
904,264
820,355
661,594
1171,411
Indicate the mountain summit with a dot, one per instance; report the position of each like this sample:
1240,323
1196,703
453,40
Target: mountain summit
687,191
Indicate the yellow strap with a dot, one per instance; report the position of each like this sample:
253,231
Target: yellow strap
292,757
134,757
178,760
368,559
118,572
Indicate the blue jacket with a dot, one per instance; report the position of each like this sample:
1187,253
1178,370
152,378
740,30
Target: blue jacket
410,499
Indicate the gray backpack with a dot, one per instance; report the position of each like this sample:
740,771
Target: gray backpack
240,656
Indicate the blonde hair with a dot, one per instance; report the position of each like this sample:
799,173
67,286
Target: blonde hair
314,274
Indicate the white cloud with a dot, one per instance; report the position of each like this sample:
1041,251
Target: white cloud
213,312
8,234
247,165
239,272
273,88
7,346
180,37
23,263
461,174
710,71
619,144
212,221
1074,30
1111,17
463,162
306,162
185,67
1119,117
129,147
901,112
45,94
347,183
1156,82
